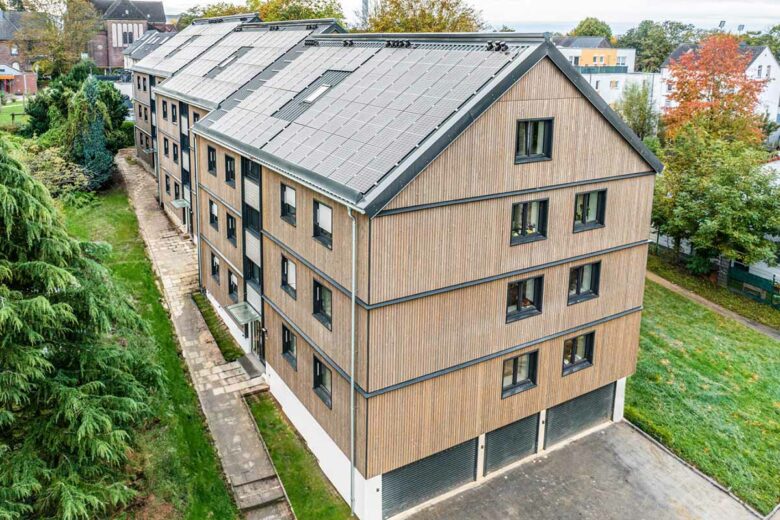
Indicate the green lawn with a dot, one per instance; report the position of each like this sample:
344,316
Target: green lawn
181,476
709,389
311,495
230,350
17,107
722,296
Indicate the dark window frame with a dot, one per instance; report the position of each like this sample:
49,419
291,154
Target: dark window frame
230,171
287,212
317,304
285,271
252,274
526,384
211,160
215,267
524,238
248,170
214,219
167,184
176,191
579,271
318,384
601,210
175,153
174,115
290,347
319,234
538,296
165,109
587,361
228,219
166,147
548,140
232,294
251,220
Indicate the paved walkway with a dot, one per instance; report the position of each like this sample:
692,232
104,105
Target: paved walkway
763,329
220,386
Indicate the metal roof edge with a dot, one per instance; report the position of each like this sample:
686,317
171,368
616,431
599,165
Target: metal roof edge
228,18
438,37
151,72
186,98
304,21
324,185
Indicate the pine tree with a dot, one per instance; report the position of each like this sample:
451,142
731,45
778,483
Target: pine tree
76,364
88,120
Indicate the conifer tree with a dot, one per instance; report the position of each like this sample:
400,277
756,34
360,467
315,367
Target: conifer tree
88,120
77,366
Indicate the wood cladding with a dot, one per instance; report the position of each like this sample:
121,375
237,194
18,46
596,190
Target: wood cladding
481,160
218,289
218,237
166,125
335,342
335,420
215,183
139,94
424,250
140,122
421,336
418,420
336,261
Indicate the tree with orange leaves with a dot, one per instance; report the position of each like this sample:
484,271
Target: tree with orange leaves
710,85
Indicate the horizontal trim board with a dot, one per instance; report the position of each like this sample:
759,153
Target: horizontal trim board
222,255
453,368
219,199
541,189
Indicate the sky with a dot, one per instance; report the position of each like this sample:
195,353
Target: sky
563,15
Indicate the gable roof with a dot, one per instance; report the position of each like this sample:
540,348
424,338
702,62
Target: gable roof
582,42
151,11
238,57
179,50
401,100
684,48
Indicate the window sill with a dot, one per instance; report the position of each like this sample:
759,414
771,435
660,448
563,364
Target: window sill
573,300
233,297
289,219
215,277
527,239
291,359
292,292
582,365
254,232
327,242
324,395
233,241
214,226
213,172
232,184
517,316
517,389
323,319
532,159
578,228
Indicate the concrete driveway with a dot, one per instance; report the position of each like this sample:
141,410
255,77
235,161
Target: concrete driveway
613,473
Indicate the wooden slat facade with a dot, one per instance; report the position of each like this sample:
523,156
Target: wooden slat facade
214,183
166,125
218,289
218,237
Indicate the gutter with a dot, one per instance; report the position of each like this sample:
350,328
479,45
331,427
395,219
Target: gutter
352,368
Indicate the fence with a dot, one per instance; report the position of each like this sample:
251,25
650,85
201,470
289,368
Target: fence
760,289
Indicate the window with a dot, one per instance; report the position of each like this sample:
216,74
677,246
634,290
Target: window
213,215
323,223
519,373
524,299
323,304
621,60
584,282
215,267
175,153
250,170
127,38
165,146
614,84
251,219
165,109
231,229
289,278
212,160
195,117
595,59
230,171
173,112
760,70
176,191
288,347
288,204
232,285
252,272
140,112
322,381
589,210
768,70
529,221
138,80
578,353
316,94
146,114
167,185
144,84
596,86
534,140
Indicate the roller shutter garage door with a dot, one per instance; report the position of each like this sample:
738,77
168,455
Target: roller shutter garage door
511,443
579,414
427,478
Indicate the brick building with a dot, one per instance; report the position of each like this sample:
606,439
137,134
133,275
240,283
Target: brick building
125,21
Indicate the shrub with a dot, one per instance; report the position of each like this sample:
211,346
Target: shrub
58,174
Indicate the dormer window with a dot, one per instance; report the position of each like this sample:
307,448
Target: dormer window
318,92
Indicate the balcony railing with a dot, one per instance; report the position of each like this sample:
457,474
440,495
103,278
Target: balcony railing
607,69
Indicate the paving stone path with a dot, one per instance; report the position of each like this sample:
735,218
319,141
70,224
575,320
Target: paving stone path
220,386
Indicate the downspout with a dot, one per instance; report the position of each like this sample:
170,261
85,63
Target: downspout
196,200
352,368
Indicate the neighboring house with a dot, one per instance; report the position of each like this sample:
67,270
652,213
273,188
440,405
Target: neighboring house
425,218
125,21
149,41
16,75
763,65
14,82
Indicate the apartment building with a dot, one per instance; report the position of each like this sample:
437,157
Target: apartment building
436,245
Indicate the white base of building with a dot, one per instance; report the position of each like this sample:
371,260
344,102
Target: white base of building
235,331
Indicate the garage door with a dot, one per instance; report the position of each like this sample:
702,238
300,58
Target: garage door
511,443
579,414
427,478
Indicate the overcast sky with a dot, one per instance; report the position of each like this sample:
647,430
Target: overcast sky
562,15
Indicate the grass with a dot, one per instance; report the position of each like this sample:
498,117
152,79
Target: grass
311,495
709,389
181,476
724,297
16,107
230,350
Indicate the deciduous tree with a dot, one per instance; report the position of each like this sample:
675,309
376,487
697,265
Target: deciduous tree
711,85
638,111
655,41
277,10
770,38
592,26
423,16
210,11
